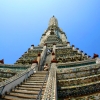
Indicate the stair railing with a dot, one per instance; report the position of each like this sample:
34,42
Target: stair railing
50,92
43,55
11,83
40,92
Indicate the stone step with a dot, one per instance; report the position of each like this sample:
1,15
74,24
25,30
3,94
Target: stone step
41,72
25,91
29,89
38,75
34,83
23,95
35,79
38,81
8,97
32,86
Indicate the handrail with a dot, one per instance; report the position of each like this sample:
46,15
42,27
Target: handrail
43,55
41,68
14,77
39,94
10,83
51,89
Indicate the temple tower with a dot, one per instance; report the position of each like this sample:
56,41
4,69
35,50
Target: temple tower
72,74
53,34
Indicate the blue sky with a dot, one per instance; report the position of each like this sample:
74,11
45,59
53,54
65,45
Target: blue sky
22,22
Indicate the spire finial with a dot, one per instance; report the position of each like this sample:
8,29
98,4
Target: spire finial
53,21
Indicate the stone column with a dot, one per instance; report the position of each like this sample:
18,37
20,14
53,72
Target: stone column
35,62
89,57
53,55
38,60
85,56
95,56
82,53
78,50
68,44
32,46
73,47
54,47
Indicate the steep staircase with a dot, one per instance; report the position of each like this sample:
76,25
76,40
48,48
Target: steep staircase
28,90
46,61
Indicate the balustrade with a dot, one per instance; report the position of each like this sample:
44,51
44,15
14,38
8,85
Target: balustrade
51,89
43,55
10,83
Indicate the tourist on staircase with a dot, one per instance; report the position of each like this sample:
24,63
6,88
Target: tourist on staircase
46,67
48,51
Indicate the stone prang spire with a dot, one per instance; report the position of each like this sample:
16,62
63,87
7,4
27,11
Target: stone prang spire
53,21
